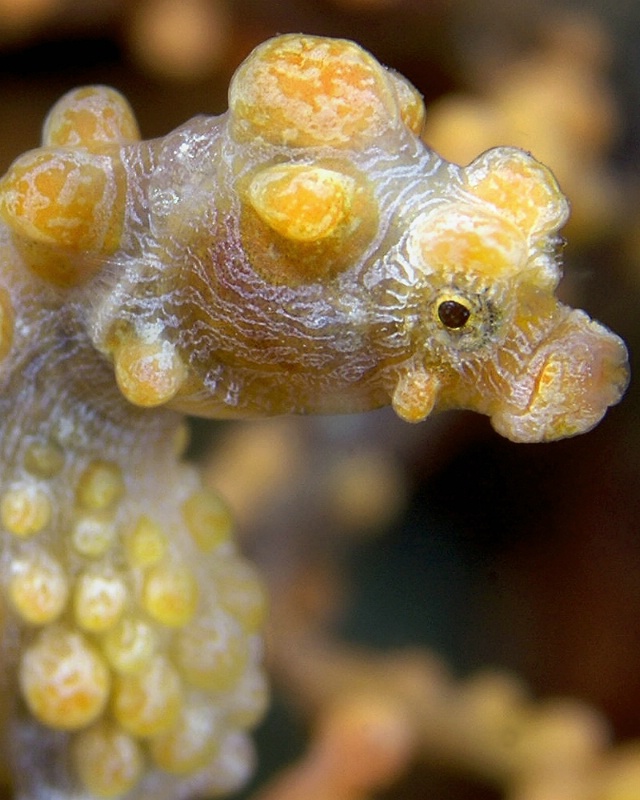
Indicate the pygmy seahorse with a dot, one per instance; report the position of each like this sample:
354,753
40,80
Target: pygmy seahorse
303,252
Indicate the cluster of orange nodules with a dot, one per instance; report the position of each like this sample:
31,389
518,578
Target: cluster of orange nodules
305,222
68,196
144,659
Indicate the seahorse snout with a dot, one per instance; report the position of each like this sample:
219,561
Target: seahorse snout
579,370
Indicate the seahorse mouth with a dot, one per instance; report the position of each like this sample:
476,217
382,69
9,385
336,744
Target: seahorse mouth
573,377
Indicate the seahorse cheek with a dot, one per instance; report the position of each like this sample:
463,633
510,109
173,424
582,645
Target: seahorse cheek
579,372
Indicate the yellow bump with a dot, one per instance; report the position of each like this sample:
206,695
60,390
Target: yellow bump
148,703
107,760
302,91
93,535
412,110
90,116
100,486
522,188
25,509
302,203
208,519
212,653
99,599
146,544
415,395
242,593
148,373
130,646
192,744
64,680
469,237
66,198
44,459
38,588
170,594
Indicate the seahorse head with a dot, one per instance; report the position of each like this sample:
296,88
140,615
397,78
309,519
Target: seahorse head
490,334
308,252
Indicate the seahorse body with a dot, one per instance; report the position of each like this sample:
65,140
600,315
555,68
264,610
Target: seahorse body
304,252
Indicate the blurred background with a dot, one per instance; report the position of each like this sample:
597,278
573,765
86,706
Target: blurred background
442,535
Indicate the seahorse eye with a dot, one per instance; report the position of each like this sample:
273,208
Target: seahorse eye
453,314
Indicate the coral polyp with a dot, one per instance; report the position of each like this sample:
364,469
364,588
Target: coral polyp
303,252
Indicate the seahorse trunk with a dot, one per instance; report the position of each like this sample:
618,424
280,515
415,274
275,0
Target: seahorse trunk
131,624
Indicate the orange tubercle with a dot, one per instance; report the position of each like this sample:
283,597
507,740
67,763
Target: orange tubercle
65,198
303,91
148,373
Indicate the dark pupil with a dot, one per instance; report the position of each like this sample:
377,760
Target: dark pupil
452,314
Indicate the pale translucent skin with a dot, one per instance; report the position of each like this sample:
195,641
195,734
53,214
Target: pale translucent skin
304,252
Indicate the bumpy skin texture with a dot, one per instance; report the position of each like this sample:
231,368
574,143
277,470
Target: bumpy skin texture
304,252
